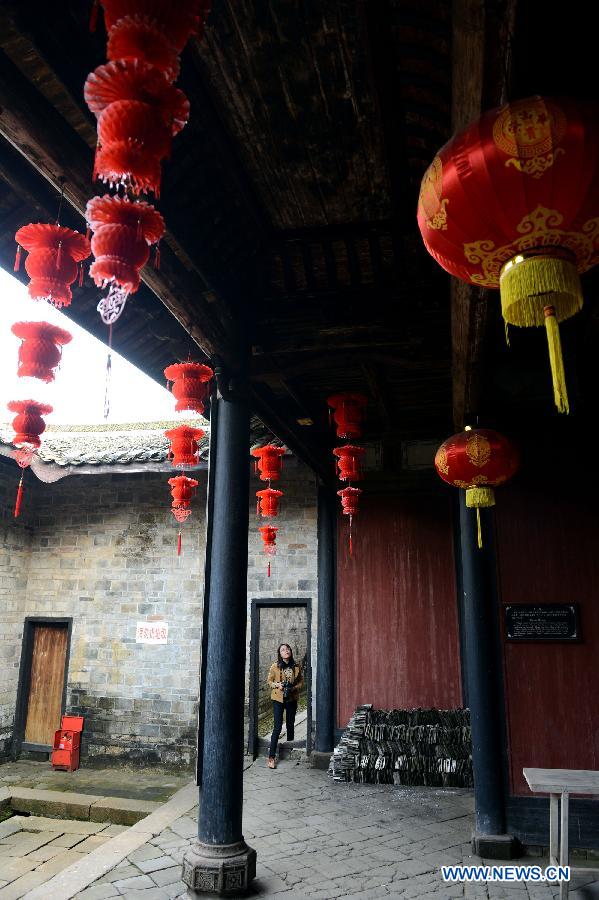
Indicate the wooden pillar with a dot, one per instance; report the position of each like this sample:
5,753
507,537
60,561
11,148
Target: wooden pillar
221,862
325,672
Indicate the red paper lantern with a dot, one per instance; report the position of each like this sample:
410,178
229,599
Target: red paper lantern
511,203
191,385
28,424
268,502
40,350
269,541
54,252
185,448
182,490
142,217
138,38
349,458
348,414
177,20
350,497
477,460
269,461
135,80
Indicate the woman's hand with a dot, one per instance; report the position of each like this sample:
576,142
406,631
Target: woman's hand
278,685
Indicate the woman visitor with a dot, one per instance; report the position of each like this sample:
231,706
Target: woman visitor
285,680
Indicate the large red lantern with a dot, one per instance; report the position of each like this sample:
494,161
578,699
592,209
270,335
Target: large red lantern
28,424
269,541
54,253
191,385
123,232
40,351
348,414
349,459
185,448
511,203
268,502
350,497
182,491
477,460
269,461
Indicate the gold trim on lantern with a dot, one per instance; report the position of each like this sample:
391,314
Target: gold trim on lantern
479,497
535,279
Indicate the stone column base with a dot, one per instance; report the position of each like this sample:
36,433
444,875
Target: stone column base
223,869
496,846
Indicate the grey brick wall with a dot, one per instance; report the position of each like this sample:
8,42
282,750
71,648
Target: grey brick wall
102,549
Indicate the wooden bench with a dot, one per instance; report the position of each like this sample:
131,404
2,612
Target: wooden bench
561,783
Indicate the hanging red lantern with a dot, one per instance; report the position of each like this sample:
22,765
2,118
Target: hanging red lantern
185,448
52,262
350,497
511,203
348,414
182,491
28,424
135,80
269,541
40,351
269,461
177,21
191,385
349,458
123,231
268,502
477,460
138,38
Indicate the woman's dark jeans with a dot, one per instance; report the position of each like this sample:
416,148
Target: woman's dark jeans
290,708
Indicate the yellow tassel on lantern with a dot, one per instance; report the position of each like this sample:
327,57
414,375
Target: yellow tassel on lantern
530,285
479,497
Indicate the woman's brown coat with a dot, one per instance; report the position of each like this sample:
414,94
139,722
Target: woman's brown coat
276,674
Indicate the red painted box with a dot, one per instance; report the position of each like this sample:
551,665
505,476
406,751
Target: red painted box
67,741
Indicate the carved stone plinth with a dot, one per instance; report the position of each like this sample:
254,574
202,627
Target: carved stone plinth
223,869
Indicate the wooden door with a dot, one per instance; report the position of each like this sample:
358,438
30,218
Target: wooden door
46,684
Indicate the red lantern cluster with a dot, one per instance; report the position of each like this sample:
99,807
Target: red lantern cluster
138,111
28,425
40,351
54,256
269,542
268,464
191,386
477,460
348,414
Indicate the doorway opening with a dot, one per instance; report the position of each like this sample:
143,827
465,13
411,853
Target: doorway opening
275,622
42,693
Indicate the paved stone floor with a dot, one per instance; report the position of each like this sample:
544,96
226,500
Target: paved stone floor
319,839
115,781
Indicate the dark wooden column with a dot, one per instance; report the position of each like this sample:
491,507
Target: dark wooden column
480,644
221,862
325,672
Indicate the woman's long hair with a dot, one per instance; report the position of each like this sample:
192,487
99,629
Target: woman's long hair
291,663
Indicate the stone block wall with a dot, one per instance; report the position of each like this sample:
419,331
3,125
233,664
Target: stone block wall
15,546
102,550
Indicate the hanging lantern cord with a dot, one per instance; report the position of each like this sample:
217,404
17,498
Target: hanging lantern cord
479,533
62,182
108,373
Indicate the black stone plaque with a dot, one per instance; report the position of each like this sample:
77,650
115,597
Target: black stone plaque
542,622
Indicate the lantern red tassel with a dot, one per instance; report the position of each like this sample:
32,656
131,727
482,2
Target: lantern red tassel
268,502
191,385
53,254
17,264
28,424
270,461
477,460
39,353
19,500
185,449
348,462
179,541
348,414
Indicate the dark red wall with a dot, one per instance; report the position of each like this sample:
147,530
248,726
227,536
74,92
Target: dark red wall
548,552
398,643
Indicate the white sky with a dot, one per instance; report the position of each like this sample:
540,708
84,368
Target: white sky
77,393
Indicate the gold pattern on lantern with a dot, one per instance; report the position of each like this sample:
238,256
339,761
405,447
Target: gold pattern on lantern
539,229
528,132
430,203
477,481
441,460
478,450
